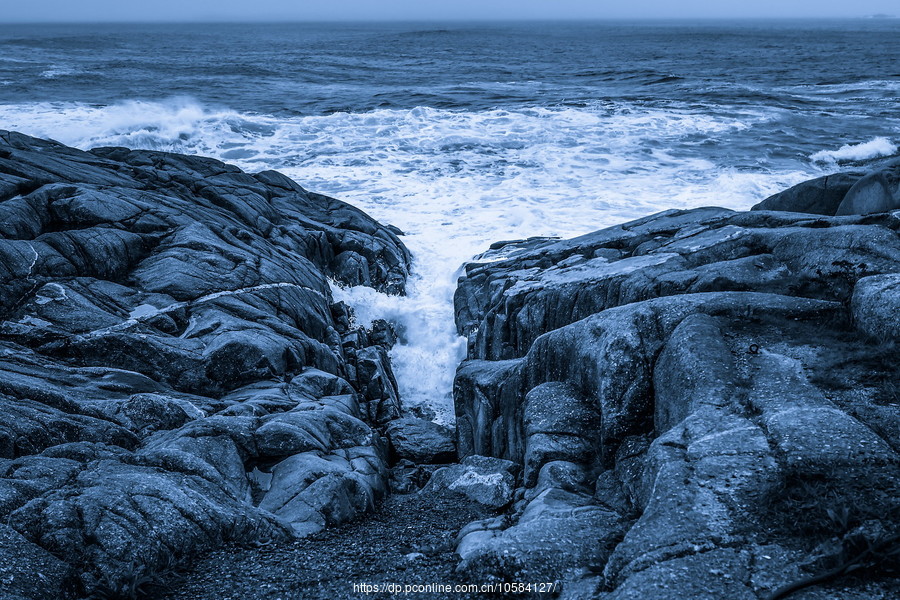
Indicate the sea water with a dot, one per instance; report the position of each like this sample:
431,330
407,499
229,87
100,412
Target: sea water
463,134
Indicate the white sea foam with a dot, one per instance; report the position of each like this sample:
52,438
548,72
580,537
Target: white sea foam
874,148
861,87
454,181
57,71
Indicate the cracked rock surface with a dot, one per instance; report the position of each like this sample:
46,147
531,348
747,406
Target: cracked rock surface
174,373
703,403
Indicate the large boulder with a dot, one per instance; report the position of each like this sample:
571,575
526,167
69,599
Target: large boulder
877,192
820,196
421,441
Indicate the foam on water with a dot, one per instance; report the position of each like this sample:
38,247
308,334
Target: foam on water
56,71
875,148
454,181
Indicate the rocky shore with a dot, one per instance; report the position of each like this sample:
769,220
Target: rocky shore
704,403
697,404
174,374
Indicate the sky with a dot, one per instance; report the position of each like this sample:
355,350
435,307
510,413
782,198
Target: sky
12,11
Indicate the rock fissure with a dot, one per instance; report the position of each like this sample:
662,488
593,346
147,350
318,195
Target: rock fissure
694,404
728,368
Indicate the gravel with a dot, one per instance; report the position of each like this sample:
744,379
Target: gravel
408,540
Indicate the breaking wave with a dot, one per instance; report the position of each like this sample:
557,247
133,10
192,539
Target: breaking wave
875,148
454,181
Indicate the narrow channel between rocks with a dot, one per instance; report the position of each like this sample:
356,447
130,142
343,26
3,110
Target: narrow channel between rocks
198,401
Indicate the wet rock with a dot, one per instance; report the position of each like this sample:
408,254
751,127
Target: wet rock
690,480
375,381
352,268
820,196
421,441
172,369
671,386
486,396
608,492
488,481
875,193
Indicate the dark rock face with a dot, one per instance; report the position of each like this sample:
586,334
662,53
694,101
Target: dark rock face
690,396
874,193
173,370
421,441
858,192
821,196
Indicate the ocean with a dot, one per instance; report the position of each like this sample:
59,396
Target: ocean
462,134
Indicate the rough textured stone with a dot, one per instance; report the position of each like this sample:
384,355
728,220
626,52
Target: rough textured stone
557,533
28,572
174,373
505,305
421,441
876,306
689,397
694,368
560,424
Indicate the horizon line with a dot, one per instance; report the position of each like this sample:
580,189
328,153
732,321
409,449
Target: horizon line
274,20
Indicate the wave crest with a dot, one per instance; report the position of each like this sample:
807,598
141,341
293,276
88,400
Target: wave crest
455,181
874,148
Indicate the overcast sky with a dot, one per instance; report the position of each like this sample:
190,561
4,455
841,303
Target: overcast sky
362,10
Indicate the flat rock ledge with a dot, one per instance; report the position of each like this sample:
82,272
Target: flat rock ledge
703,403
174,372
